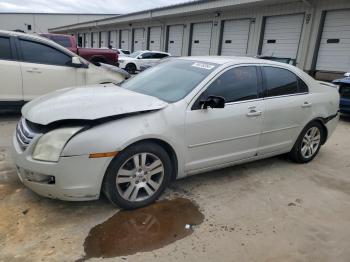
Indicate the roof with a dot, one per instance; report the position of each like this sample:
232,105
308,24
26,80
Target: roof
24,13
194,6
230,59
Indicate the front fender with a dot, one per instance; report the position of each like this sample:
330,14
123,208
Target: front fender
116,135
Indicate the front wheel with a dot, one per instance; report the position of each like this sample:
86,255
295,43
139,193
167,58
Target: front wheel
131,68
308,144
137,176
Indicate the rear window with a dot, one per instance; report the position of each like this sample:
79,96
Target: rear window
5,48
61,40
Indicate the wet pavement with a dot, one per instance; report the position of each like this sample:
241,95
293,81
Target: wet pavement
270,210
144,229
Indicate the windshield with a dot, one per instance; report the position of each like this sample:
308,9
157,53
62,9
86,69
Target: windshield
135,54
62,40
126,52
170,81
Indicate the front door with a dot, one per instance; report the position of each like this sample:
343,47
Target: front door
288,109
224,135
46,69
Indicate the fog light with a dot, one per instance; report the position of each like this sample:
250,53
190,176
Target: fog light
40,178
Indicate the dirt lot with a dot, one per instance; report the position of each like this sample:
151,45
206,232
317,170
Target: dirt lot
271,210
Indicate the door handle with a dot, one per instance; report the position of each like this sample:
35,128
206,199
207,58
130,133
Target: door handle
306,104
253,112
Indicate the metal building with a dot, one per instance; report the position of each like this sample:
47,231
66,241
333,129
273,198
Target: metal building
316,33
41,22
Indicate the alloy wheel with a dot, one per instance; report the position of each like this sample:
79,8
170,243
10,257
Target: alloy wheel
140,177
311,142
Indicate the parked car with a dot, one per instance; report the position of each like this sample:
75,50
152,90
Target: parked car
122,52
133,62
183,117
94,55
31,66
344,90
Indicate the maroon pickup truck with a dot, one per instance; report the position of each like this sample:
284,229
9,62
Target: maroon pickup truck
94,55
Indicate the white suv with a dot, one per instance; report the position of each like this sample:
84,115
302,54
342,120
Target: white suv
134,61
31,66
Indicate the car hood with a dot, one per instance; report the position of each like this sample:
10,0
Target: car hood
88,103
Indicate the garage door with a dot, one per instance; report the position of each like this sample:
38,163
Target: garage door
282,36
138,39
154,38
201,39
235,37
95,40
124,39
87,40
175,39
104,39
334,52
113,39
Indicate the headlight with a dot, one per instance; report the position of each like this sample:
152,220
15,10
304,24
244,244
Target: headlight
50,145
121,61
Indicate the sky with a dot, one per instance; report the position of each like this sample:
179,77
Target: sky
82,6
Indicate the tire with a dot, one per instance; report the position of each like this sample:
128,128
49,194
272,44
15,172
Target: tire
308,143
131,68
137,186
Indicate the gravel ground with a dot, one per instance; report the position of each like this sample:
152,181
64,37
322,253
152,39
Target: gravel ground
270,210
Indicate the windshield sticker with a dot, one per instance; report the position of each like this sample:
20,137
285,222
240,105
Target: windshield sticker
203,66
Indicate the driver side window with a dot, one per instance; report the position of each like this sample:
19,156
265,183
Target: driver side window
236,84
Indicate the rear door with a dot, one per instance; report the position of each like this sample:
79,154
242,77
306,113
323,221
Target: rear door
46,69
288,107
11,77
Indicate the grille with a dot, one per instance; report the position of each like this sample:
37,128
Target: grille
24,134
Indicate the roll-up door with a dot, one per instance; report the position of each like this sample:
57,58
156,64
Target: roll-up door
124,39
87,40
201,39
235,37
138,39
282,36
95,39
155,34
104,39
113,39
175,39
334,52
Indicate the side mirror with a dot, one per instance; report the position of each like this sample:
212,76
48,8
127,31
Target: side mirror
213,102
76,62
140,57
347,74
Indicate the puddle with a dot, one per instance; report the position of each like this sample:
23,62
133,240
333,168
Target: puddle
144,229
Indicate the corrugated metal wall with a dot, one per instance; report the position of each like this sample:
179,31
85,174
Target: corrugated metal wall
307,49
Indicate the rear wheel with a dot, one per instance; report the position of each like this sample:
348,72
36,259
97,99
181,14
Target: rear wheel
308,144
138,175
131,68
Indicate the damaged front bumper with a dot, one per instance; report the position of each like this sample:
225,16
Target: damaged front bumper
74,178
